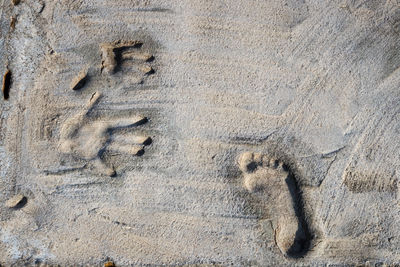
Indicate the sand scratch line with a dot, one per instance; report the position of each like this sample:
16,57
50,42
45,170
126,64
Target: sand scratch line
142,240
1,12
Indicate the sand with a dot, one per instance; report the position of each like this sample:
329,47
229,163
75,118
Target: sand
200,132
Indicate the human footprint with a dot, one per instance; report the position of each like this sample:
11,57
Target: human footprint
268,179
87,139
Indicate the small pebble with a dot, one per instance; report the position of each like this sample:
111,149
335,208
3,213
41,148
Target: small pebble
109,264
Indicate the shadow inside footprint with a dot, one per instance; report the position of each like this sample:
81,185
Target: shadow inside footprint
302,241
275,185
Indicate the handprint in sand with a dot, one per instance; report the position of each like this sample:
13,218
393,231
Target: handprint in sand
88,139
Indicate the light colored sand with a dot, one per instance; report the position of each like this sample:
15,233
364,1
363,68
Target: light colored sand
313,84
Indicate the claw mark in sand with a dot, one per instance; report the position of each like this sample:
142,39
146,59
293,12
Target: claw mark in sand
80,80
88,139
109,264
16,202
269,179
6,84
13,21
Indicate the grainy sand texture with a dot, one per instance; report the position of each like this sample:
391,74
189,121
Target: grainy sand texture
200,132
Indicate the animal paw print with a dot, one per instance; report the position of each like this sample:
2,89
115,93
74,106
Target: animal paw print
115,53
269,179
88,139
